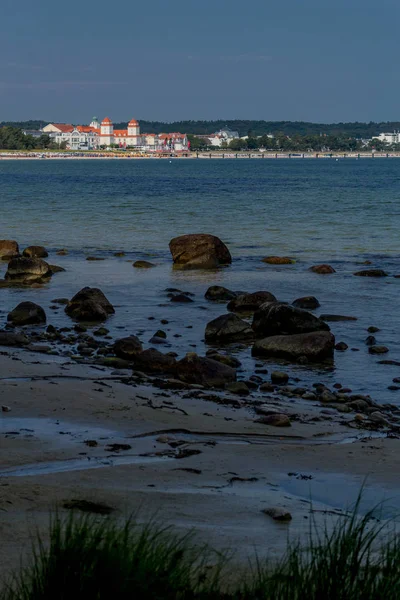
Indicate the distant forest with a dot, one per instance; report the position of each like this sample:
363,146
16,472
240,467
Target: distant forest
254,128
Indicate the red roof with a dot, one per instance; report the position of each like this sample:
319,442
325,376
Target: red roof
106,121
133,123
64,127
86,129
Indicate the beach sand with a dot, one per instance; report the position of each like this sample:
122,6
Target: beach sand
242,466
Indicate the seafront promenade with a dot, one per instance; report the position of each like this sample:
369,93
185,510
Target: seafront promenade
219,155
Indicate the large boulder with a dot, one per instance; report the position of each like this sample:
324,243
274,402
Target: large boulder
89,304
371,273
282,319
128,347
218,293
8,249
35,252
250,302
307,302
228,328
154,361
9,338
204,371
199,251
315,346
27,270
27,313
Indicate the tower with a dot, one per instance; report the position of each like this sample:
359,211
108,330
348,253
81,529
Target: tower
106,132
95,123
133,128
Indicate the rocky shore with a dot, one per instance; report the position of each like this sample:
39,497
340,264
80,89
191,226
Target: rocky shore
90,416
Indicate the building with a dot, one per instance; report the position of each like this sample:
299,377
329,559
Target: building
223,136
388,138
103,135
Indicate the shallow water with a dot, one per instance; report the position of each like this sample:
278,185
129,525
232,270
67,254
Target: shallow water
342,213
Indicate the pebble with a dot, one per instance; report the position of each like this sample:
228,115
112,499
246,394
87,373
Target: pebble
341,346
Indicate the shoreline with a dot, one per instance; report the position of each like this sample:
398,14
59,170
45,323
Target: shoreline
207,155
238,467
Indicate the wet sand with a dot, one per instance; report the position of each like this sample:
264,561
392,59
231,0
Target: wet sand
241,467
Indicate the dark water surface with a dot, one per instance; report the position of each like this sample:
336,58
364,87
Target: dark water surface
340,212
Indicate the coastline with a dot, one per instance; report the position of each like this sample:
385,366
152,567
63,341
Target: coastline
240,468
202,156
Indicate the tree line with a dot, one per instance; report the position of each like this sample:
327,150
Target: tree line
258,127
296,143
13,138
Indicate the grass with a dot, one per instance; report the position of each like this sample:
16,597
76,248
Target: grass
98,559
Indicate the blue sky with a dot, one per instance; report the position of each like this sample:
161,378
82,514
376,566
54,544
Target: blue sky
312,60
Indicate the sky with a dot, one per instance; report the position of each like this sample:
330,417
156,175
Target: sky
298,60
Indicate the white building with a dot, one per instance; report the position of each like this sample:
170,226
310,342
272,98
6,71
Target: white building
388,138
103,135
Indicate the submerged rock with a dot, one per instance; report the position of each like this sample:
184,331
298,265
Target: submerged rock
27,313
35,252
228,328
218,293
143,264
89,304
315,346
371,273
250,302
205,371
28,270
199,250
378,350
337,318
282,319
307,302
278,260
8,249
322,269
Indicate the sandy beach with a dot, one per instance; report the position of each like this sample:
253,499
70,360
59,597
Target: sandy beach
240,467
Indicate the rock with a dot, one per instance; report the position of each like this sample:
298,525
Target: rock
327,396
315,346
341,346
93,258
27,313
143,264
278,514
238,387
62,252
225,359
157,340
114,362
337,318
56,269
250,302
60,301
205,371
199,250
278,260
102,331
275,420
371,273
378,349
154,361
373,329
5,408
279,377
8,249
89,304
161,334
228,328
8,338
358,405
379,418
181,298
27,270
309,396
218,293
282,319
267,387
35,252
322,269
370,341
128,348
307,302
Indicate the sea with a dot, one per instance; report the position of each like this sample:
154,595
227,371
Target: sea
341,212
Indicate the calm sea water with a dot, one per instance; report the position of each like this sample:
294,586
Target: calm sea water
341,212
